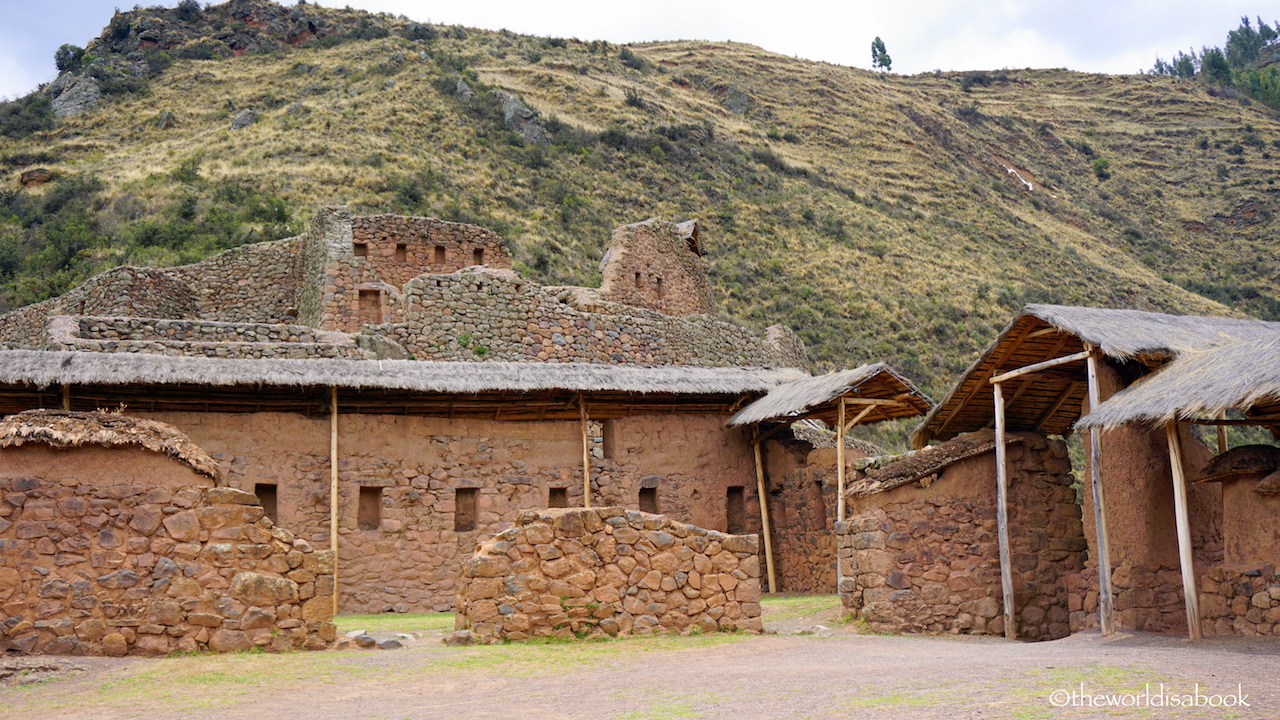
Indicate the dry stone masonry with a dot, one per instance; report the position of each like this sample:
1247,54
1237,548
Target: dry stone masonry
607,572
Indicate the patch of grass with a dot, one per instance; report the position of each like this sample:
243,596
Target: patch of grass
800,606
395,622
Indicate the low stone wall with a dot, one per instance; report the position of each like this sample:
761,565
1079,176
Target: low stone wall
1240,602
251,283
926,559
156,336
608,571
116,551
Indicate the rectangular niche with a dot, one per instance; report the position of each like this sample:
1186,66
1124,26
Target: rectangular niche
439,256
266,493
477,256
370,307
557,497
402,252
649,500
360,249
369,514
735,504
464,509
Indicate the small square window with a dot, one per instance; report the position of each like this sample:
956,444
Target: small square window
649,500
360,249
557,497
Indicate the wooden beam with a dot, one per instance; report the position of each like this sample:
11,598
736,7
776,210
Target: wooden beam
66,397
1222,433
872,401
586,453
333,490
1036,367
1042,332
840,428
761,437
1002,517
859,417
1105,611
1256,420
1185,560
764,520
977,387
1057,405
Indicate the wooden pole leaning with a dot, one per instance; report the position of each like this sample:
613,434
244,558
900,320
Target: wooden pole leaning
586,453
333,489
1002,516
66,397
763,494
840,464
1185,560
1106,615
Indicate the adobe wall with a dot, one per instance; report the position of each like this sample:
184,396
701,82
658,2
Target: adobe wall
200,338
608,571
410,561
478,314
651,264
1250,525
1138,489
256,283
115,551
927,559
121,291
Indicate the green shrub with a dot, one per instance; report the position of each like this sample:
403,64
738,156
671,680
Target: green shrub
1101,168
68,58
25,116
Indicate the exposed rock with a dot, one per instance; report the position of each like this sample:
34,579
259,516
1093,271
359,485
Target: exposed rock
464,91
459,638
364,641
35,177
735,100
244,119
78,95
390,644
164,121
521,118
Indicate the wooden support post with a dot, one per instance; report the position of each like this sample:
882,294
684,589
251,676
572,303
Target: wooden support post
764,520
333,489
1222,433
586,454
1105,610
840,465
1002,517
1184,531
66,397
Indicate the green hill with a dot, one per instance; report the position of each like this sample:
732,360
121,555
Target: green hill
881,216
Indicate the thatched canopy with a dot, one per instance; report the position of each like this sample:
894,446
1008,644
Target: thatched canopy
819,397
913,466
61,429
495,390
1051,401
1241,376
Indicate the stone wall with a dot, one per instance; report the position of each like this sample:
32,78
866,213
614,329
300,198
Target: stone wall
802,508
480,314
653,264
926,559
257,283
201,338
414,467
121,291
1237,601
605,572
427,245
115,551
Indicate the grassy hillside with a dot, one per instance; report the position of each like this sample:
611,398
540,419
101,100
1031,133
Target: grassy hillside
881,216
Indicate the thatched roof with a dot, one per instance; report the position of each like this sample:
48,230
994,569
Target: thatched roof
1051,401
913,466
134,378
64,429
1239,376
818,397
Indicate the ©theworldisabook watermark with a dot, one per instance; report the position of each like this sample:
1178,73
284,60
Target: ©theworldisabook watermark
1150,696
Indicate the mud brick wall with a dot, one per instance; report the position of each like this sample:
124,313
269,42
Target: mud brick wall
605,572
1240,602
200,338
927,560
116,551
802,506
1138,487
650,264
122,291
415,467
251,283
495,315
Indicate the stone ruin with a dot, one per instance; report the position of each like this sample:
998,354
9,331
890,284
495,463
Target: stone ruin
919,552
608,572
388,286
117,548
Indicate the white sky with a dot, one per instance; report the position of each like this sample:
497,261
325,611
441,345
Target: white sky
1111,36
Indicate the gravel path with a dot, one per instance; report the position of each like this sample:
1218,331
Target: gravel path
845,675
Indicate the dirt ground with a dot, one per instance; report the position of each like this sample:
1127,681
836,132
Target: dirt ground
835,672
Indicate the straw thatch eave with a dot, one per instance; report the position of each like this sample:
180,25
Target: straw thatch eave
819,397
1051,402
63,429
1241,376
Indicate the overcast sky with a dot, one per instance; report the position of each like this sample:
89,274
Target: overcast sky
1112,36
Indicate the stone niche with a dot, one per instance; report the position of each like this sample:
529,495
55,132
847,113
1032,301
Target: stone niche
922,555
117,548
608,572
